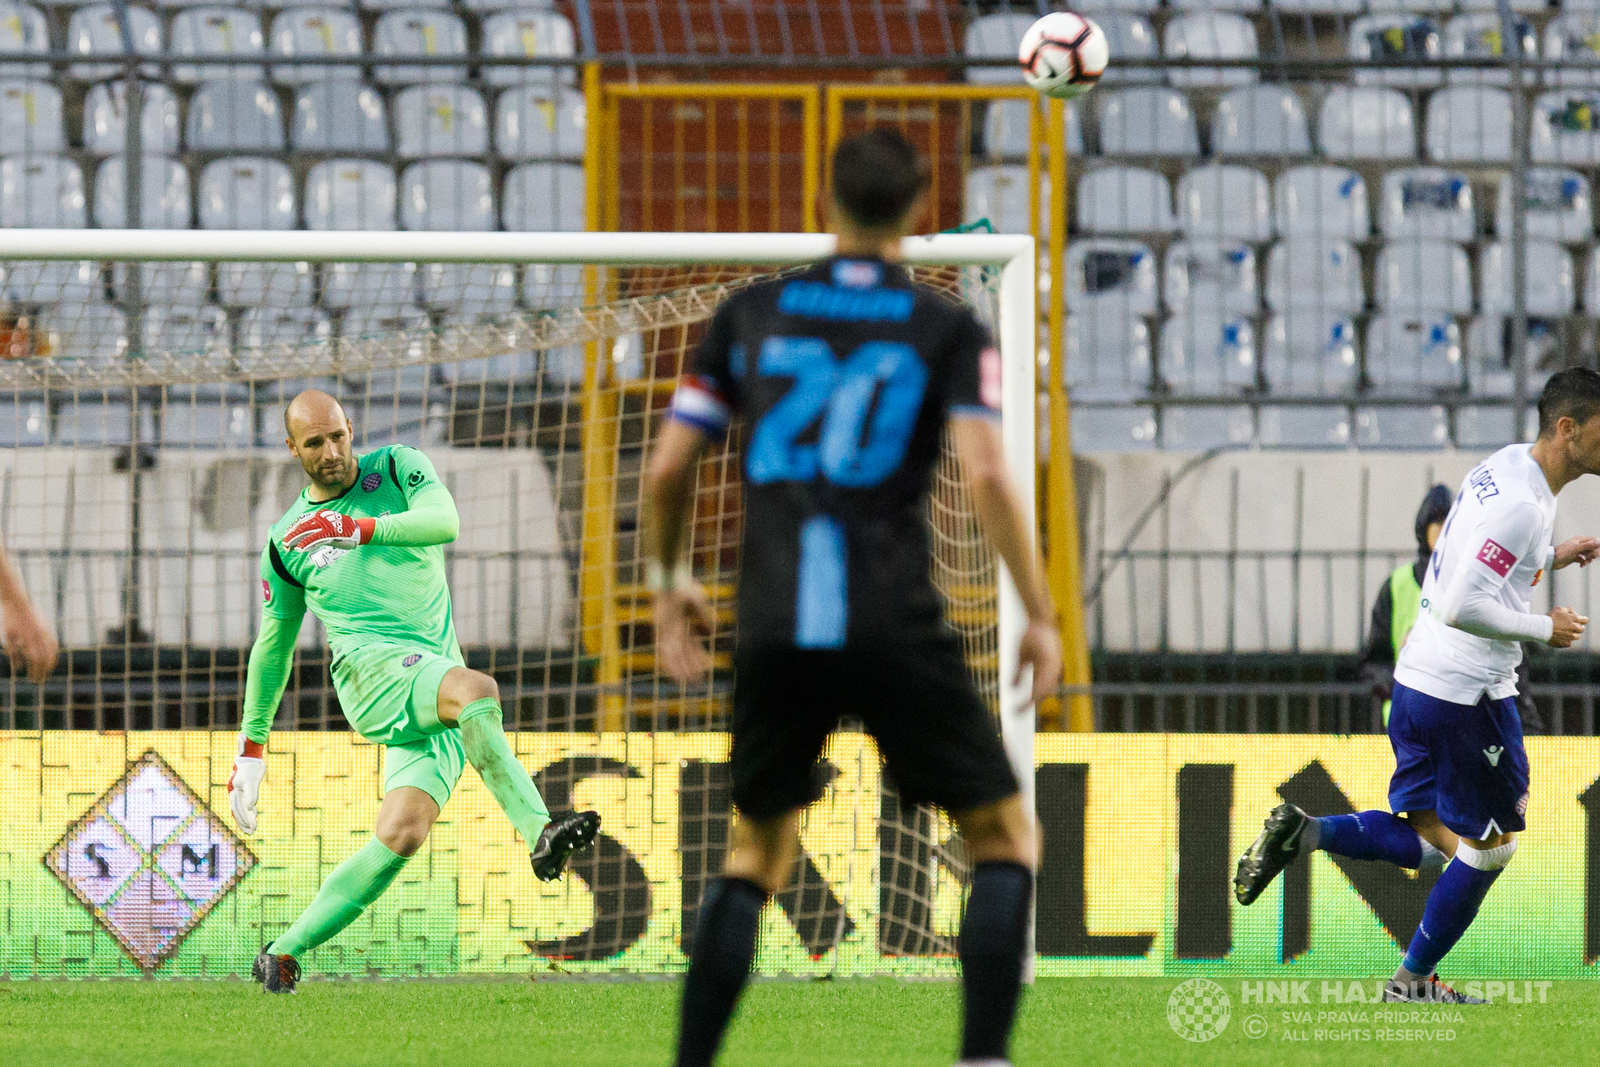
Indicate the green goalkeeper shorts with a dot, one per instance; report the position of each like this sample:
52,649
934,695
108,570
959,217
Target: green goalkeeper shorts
390,693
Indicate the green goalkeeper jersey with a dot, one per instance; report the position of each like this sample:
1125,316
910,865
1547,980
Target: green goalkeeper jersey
392,588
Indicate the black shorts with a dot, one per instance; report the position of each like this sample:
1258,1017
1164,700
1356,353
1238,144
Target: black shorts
940,741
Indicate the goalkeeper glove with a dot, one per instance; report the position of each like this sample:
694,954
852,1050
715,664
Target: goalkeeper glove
244,784
331,529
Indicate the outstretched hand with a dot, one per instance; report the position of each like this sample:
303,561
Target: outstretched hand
1579,550
680,651
29,642
1039,649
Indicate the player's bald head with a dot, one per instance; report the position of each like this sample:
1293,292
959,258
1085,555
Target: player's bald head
312,409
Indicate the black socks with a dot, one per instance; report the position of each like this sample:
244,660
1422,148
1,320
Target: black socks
724,949
993,938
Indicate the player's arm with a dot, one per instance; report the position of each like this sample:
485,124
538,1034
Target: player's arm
981,451
1471,601
266,677
430,517
29,642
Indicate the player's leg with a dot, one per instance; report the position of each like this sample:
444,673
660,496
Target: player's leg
941,747
782,715
1413,842
1482,794
470,700
404,820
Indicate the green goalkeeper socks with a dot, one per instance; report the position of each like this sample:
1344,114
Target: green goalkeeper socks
349,891
485,741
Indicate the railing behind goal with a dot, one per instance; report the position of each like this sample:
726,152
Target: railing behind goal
141,404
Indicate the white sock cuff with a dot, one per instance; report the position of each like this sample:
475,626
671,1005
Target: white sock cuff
1492,859
1431,856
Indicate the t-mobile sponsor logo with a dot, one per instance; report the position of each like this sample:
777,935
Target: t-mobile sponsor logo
1496,558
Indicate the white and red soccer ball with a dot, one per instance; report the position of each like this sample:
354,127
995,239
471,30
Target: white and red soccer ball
1063,54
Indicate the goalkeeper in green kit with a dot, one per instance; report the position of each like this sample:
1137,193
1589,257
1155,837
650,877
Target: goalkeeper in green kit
363,549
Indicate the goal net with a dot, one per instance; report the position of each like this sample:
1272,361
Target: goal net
141,402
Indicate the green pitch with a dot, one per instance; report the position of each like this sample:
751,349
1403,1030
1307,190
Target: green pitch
881,1023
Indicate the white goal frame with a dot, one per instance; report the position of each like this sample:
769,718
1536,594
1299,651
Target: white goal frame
1013,255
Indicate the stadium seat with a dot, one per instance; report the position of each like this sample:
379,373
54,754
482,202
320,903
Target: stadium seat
1147,121
315,31
1210,274
24,29
1113,429
30,118
1556,205
1303,427
506,5
272,327
1427,202
1322,202
1096,8
1208,352
1225,201
1477,36
1428,275
395,424
1489,351
164,285
1129,36
1117,274
105,119
338,117
350,194
996,37
1484,428
93,30
1396,40
247,193
216,31
1107,354
381,290
1002,195
234,116
1310,351
533,123
1469,125
1312,272
440,120
1572,44
1591,284
281,286
90,332
1197,428
185,330
551,286
91,424
164,194
1525,7
1411,350
1008,130
1210,34
1260,120
469,292
1125,200
1342,8
446,194
41,191
528,35
205,425
1550,291
394,5
1366,123
34,283
24,423
410,33
1565,127
1412,426
544,196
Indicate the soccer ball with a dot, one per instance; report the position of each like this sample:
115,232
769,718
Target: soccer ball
1063,54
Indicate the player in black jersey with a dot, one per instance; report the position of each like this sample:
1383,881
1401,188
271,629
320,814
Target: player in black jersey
843,379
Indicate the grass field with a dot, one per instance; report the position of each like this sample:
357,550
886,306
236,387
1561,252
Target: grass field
618,1024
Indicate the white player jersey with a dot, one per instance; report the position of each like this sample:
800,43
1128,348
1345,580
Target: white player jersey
1495,547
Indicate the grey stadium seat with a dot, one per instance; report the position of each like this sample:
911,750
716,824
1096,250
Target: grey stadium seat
529,35
256,284
1469,124
93,30
41,192
446,194
419,32
23,29
1120,199
208,425
1366,122
1119,429
1130,35
92,332
1260,120
105,117
247,193
1207,352
1572,42
191,330
40,282
996,37
1004,195
1414,350
1107,355
1194,429
24,423
350,194
551,285
1556,205
1565,127
532,123
185,285
1204,274
338,117
1210,34
1398,40
234,116
469,291
1551,290
1424,276
267,328
1477,35
544,196
1111,272
87,423
1321,201
315,31
1308,426
30,117
1225,201
1415,426
1315,272
1147,121
1311,351
1427,202
216,31
387,290
440,120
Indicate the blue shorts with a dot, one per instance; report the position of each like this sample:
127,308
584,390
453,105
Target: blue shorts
1465,762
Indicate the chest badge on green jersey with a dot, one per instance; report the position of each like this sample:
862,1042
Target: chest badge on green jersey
411,660
371,482
324,556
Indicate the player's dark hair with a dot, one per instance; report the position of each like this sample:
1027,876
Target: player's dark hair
1574,392
876,177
